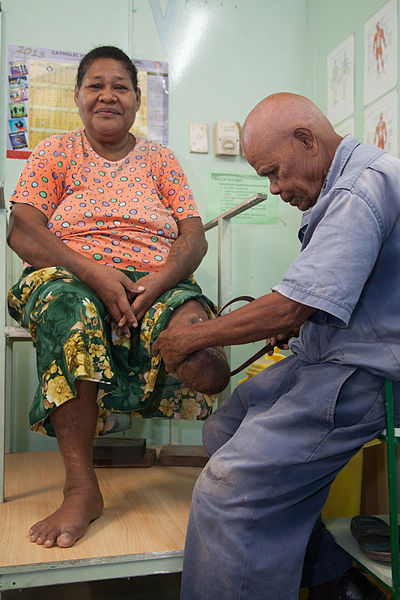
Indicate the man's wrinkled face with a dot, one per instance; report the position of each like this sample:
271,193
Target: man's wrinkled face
290,169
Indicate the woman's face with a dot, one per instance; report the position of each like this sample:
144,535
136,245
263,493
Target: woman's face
107,100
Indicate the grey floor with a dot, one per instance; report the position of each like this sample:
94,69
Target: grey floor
152,587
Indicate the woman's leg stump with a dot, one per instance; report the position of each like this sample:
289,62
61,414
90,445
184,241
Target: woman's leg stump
207,370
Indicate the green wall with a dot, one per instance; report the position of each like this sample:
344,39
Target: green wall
240,52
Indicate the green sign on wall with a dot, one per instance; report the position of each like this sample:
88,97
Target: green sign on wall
226,190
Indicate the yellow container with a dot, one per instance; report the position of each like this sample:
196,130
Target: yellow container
261,364
344,498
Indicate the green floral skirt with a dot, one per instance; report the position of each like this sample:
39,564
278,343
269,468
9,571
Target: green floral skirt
74,339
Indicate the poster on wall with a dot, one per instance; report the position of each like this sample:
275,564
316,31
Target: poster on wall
340,69
40,96
380,123
345,128
152,118
380,52
225,190
41,84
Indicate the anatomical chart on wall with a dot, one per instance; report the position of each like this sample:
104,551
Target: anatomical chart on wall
40,96
340,69
380,123
380,52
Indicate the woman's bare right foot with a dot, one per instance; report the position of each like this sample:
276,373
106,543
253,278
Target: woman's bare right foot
82,504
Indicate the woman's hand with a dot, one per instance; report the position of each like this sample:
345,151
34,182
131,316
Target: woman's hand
146,290
153,286
116,291
184,257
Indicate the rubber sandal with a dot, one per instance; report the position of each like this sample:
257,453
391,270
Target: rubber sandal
376,547
373,536
365,525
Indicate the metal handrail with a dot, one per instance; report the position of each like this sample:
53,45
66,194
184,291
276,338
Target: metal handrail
236,210
223,222
224,277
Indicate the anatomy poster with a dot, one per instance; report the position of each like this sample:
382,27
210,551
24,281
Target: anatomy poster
380,52
340,69
380,123
40,96
345,128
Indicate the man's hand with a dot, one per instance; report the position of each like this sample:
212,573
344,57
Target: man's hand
169,344
281,341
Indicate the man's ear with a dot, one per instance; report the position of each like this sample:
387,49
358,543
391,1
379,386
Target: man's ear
307,139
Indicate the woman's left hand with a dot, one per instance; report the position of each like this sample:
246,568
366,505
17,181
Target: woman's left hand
183,259
148,289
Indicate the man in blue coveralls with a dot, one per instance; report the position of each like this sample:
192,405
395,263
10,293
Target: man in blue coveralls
278,443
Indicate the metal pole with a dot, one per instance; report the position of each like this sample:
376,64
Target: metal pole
391,443
3,342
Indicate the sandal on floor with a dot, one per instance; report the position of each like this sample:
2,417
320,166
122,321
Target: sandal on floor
373,536
363,525
376,547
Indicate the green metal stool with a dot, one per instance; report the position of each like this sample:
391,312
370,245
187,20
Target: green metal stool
391,443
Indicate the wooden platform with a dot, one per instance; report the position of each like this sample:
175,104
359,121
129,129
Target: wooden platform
141,531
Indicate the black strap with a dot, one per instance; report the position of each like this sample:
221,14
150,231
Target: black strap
259,353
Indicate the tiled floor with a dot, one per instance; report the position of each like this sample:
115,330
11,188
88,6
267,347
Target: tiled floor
152,587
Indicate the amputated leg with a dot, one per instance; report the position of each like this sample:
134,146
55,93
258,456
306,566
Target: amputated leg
207,370
75,424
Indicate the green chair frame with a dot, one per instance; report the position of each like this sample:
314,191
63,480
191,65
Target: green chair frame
391,444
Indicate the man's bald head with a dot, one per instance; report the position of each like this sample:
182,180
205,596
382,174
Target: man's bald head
280,115
291,131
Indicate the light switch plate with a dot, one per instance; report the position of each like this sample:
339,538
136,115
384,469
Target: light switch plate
226,138
198,137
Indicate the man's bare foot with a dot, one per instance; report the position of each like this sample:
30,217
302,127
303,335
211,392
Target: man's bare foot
81,505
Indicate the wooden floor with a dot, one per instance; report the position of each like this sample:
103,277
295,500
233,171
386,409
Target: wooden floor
146,510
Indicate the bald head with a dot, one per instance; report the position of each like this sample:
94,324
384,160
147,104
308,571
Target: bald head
290,131
280,115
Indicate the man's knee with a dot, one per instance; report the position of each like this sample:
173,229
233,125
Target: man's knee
218,479
209,435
